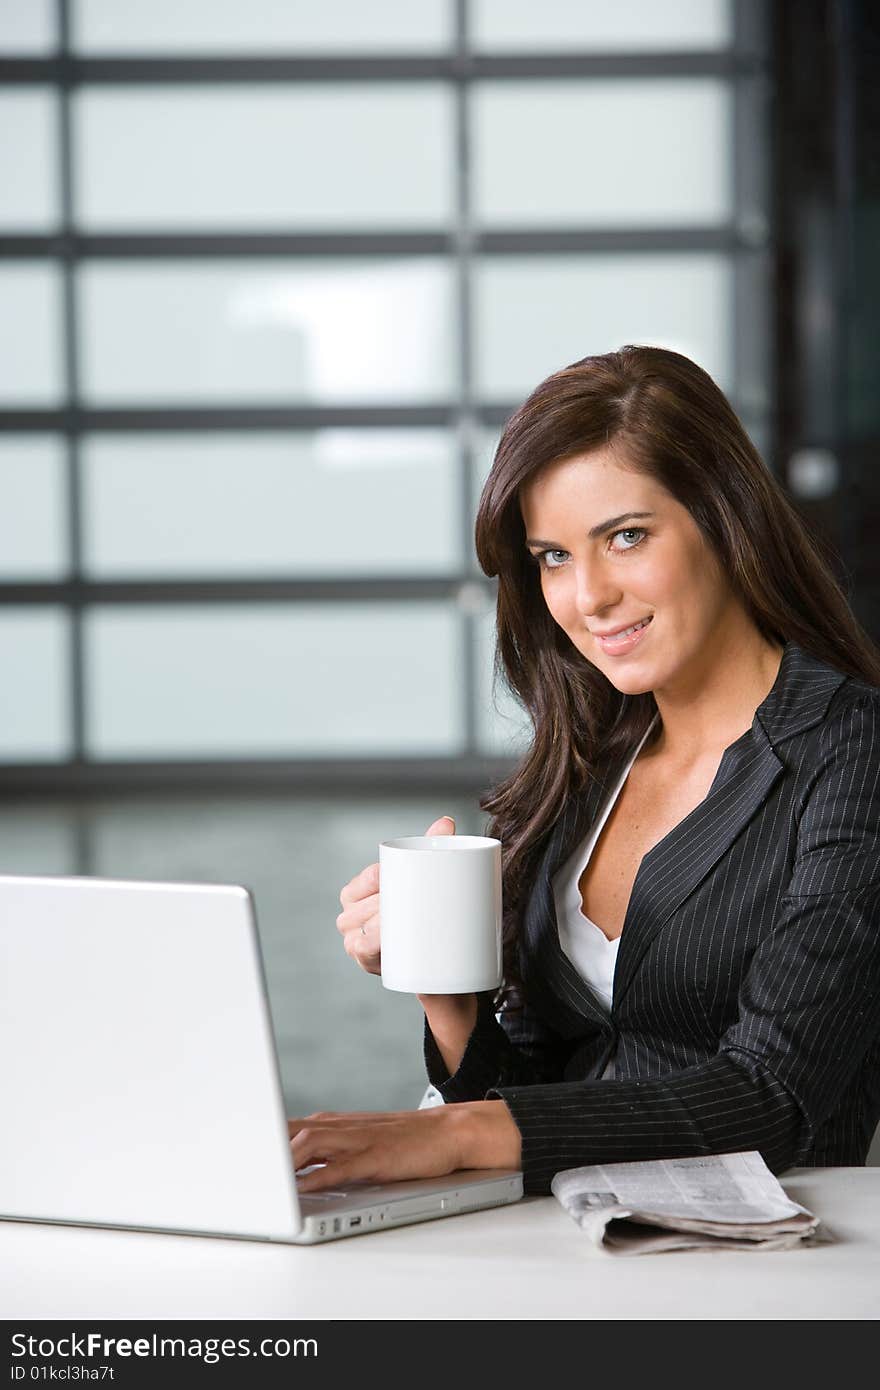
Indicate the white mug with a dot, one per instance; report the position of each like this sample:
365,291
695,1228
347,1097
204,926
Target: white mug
440,913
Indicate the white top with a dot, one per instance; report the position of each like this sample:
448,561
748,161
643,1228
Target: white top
585,944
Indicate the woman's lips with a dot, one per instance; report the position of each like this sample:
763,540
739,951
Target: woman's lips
619,646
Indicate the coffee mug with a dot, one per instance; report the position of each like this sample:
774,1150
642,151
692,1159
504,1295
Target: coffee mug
440,913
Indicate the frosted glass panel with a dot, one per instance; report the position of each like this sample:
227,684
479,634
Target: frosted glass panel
334,502
264,26
273,157
485,443
261,680
28,165
535,317
30,332
645,25
259,331
27,26
34,695
646,153
503,726
33,537
37,839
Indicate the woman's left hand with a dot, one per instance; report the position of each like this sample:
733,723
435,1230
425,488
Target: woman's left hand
386,1147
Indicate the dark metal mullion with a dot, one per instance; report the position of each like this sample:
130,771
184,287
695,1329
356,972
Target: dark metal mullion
856,48
738,312
463,773
67,267
749,279
619,240
229,243
202,589
844,202
160,417
362,68
545,241
464,244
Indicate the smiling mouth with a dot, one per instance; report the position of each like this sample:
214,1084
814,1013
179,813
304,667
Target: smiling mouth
626,633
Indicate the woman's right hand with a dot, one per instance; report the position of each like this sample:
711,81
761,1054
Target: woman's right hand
359,919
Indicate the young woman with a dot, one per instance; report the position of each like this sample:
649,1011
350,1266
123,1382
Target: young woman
692,840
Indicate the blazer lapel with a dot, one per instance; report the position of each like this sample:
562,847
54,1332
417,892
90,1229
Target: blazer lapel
748,770
670,872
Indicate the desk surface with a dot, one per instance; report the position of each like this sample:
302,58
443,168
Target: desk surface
529,1260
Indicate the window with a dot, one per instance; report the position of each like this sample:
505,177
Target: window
272,276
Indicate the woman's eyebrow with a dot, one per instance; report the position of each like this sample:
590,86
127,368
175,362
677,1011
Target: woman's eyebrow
601,528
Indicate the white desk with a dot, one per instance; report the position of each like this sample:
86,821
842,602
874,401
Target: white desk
525,1261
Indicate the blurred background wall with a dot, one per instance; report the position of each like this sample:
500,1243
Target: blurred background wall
272,276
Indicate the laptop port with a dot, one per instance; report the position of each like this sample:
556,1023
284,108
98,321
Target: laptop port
354,1221
337,1225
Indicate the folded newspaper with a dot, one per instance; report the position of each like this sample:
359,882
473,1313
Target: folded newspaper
723,1201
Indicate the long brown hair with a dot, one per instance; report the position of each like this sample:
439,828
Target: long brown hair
674,424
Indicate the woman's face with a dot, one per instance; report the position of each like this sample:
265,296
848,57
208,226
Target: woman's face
616,549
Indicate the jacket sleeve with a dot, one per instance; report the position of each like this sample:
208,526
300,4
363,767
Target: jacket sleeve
809,1005
514,1048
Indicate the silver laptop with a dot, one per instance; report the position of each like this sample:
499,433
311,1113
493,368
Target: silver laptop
139,1085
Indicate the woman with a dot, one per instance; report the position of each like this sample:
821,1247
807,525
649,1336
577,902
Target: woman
692,841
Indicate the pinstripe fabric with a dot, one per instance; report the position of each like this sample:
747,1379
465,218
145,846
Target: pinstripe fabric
746,1009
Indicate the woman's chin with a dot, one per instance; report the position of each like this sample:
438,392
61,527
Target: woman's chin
629,677
631,686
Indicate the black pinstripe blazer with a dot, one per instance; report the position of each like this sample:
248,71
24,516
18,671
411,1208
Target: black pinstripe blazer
746,1005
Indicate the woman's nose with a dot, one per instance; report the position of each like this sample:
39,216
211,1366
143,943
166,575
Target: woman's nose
595,589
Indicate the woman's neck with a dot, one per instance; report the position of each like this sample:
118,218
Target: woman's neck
714,704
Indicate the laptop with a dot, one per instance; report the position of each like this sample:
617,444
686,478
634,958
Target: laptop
140,1085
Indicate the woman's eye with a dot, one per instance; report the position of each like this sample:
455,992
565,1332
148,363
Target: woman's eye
633,535
550,558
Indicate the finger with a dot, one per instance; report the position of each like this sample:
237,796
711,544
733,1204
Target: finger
321,1143
354,916
444,826
368,961
357,923
366,953
345,1150
369,927
364,883
363,944
339,1119
353,1168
